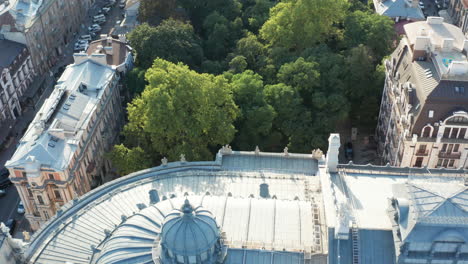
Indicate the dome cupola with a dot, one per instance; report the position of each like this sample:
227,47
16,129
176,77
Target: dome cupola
190,235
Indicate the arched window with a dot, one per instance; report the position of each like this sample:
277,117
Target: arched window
457,120
40,200
426,132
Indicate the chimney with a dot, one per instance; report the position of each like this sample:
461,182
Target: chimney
99,49
431,20
465,45
447,44
333,151
109,50
79,57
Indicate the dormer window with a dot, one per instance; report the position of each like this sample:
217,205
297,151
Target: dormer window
459,89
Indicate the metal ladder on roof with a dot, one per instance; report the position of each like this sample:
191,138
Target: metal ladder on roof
355,240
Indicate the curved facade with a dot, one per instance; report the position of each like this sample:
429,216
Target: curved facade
245,208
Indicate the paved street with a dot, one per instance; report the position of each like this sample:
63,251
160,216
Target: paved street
9,203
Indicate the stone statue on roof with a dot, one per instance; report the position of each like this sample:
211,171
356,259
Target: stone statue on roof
285,150
182,158
164,161
317,154
257,150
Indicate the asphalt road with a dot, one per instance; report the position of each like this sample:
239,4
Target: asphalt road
8,207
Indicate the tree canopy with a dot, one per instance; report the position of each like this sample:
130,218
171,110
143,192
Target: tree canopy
172,40
297,24
182,112
250,72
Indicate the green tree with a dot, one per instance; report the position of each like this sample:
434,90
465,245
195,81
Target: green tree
370,29
252,50
238,64
135,81
172,40
363,90
198,10
257,13
297,24
154,11
181,111
303,76
255,121
127,160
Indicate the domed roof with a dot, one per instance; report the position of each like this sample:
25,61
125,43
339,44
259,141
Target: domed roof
189,231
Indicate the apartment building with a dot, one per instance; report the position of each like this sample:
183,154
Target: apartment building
458,11
60,157
423,118
16,74
44,26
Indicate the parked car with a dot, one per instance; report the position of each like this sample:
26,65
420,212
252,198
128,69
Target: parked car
106,10
80,47
81,41
122,4
421,5
2,192
99,21
11,224
20,209
349,151
4,178
101,16
86,37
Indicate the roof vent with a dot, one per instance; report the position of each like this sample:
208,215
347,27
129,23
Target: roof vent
52,145
66,108
55,139
82,87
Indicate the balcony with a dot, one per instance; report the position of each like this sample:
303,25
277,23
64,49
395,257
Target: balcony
422,152
449,155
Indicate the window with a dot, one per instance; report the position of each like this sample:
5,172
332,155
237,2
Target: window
46,215
39,199
444,148
456,147
23,173
450,148
454,132
431,113
459,90
462,133
439,162
451,162
29,192
447,132
51,176
418,162
57,195
445,163
427,132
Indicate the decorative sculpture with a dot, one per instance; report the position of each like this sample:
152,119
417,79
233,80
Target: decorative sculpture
226,149
317,154
182,158
164,161
257,151
285,150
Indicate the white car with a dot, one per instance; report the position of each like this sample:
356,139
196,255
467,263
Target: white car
421,5
81,41
86,37
20,208
106,10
